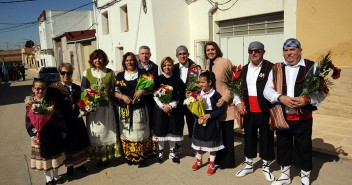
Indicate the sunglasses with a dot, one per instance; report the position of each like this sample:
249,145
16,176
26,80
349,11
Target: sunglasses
63,73
39,88
254,50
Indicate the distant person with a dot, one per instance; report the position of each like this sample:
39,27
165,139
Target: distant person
23,72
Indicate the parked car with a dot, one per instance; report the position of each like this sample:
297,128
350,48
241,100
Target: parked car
50,74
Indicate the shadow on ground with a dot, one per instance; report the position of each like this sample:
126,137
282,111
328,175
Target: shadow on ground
15,94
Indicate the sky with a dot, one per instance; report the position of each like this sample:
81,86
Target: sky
14,35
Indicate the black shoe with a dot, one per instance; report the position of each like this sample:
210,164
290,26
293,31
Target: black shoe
142,164
130,163
70,171
159,159
60,180
176,160
49,183
83,169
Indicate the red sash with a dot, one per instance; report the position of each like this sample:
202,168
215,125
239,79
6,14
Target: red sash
253,104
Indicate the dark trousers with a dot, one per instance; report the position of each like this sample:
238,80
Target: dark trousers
253,122
294,146
226,157
190,119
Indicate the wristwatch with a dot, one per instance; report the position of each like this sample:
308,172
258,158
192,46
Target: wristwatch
278,98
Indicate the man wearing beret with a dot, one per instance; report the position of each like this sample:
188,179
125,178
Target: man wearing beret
186,69
294,145
255,111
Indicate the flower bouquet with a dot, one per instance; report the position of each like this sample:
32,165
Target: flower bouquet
195,105
316,81
39,115
145,82
90,101
233,81
164,93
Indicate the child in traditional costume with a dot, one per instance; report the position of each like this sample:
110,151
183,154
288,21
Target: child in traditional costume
46,127
207,135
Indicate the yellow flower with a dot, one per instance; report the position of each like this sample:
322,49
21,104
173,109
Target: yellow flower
85,100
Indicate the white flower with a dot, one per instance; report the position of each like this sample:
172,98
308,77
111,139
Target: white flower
89,108
51,108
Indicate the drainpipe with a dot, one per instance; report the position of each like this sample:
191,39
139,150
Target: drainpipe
78,66
211,11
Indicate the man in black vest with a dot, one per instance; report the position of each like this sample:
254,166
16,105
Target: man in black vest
256,111
185,69
153,69
294,146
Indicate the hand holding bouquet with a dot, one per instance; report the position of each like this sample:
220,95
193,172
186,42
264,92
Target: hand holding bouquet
164,95
194,103
145,82
233,81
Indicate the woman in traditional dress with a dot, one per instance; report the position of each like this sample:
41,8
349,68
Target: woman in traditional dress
168,120
77,143
47,129
101,125
134,120
218,65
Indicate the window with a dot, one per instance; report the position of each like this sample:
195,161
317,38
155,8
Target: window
255,25
105,23
124,18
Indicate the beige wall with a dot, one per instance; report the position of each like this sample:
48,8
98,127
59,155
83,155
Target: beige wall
324,25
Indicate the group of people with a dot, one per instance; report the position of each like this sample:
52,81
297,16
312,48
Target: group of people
12,72
136,124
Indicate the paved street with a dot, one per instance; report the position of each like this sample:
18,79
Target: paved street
15,157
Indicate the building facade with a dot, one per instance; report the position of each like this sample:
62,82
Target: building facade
54,23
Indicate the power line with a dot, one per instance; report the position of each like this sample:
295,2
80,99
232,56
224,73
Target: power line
228,7
8,2
32,23
221,3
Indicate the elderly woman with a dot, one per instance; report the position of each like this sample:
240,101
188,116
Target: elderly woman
101,125
77,143
218,65
168,120
134,118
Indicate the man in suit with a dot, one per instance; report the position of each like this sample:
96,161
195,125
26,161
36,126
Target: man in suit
186,69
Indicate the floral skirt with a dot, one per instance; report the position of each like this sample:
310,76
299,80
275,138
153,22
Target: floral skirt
105,152
40,163
137,151
77,159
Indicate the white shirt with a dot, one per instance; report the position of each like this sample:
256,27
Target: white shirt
291,73
206,98
184,71
251,79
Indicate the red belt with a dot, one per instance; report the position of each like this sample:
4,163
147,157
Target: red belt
253,104
298,116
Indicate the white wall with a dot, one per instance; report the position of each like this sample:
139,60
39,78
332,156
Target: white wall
163,27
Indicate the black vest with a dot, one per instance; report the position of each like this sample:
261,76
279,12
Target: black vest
264,104
303,70
191,65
